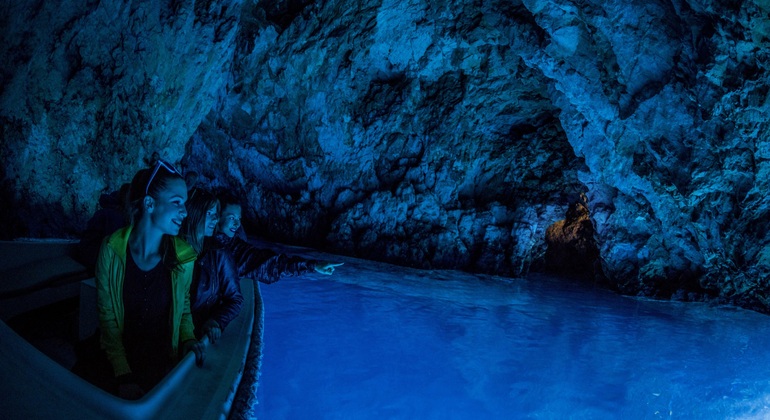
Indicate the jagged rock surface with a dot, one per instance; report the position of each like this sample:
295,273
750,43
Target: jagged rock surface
91,90
437,134
571,246
403,131
672,123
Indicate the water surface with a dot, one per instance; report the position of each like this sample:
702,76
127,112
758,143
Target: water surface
376,341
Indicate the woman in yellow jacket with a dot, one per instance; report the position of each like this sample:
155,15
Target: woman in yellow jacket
143,277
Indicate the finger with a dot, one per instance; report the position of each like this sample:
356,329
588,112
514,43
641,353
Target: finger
200,355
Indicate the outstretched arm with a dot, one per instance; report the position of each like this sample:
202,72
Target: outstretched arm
326,267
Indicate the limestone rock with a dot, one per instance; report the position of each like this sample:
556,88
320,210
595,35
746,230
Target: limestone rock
571,245
410,132
91,90
445,134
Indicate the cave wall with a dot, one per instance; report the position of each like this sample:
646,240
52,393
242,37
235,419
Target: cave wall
445,134
672,122
91,90
410,132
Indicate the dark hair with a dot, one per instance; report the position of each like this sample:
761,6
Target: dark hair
123,194
193,226
148,182
228,199
136,193
123,202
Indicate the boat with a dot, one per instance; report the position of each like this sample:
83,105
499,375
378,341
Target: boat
43,288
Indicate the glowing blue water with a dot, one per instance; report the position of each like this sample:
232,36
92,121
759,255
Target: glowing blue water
376,342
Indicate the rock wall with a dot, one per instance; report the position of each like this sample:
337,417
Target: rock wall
668,103
409,132
91,90
447,134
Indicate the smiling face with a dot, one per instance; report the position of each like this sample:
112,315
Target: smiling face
168,207
231,220
211,221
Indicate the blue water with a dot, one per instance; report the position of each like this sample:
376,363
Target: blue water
382,342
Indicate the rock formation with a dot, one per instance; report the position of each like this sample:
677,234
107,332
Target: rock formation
92,90
443,134
571,246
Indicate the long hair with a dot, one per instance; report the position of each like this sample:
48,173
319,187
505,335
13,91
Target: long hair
194,225
141,186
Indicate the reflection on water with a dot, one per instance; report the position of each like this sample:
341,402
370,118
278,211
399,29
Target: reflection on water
377,341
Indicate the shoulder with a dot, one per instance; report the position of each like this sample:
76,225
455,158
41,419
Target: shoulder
184,251
214,251
220,253
215,242
120,235
224,258
117,241
221,239
237,242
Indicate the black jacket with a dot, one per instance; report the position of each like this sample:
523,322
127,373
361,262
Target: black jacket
215,292
263,265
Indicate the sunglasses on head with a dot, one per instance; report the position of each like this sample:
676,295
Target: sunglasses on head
158,165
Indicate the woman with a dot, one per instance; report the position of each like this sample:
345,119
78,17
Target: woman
215,294
261,265
143,277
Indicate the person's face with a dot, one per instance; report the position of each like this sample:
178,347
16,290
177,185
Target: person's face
211,221
168,208
231,219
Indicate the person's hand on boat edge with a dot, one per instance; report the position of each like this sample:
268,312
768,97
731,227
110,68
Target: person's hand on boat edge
212,330
196,347
326,267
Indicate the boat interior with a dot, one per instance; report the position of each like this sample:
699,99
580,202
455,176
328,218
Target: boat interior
49,351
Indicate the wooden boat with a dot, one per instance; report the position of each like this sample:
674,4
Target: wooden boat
40,277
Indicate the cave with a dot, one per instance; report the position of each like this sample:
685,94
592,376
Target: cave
624,145
446,136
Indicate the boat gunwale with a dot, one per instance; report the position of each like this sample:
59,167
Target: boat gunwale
42,386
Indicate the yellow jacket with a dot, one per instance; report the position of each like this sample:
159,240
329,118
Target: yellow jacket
110,272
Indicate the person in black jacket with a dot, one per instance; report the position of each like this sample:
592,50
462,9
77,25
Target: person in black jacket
258,264
215,293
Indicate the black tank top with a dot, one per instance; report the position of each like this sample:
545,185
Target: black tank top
147,321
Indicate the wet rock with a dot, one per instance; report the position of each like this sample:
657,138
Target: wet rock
571,245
